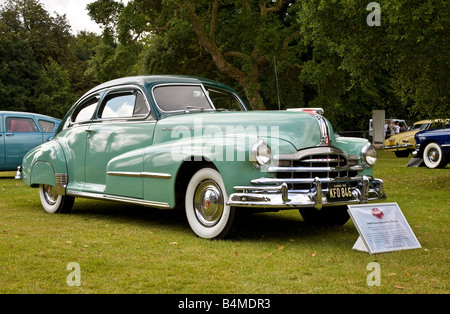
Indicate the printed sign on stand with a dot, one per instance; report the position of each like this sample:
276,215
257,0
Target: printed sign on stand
382,228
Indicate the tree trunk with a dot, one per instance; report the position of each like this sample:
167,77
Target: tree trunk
248,82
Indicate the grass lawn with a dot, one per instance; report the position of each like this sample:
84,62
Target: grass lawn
130,249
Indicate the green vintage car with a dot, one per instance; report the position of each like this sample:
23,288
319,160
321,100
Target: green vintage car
182,142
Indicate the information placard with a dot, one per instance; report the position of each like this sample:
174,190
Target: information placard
382,228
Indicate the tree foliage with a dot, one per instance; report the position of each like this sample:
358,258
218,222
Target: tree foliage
403,63
41,63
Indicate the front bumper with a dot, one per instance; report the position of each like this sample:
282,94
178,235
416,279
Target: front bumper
397,147
367,189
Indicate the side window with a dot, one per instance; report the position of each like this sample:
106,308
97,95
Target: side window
46,126
86,110
140,107
223,100
176,98
124,105
20,125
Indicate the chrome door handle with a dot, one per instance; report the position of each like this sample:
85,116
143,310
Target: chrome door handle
9,134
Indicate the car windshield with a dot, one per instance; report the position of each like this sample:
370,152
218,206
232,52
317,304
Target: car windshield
181,97
419,126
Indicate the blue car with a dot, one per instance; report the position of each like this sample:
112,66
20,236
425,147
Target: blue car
19,133
434,146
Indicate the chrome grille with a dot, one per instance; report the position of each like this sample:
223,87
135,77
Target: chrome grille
328,164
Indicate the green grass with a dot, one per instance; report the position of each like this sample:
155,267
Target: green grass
129,249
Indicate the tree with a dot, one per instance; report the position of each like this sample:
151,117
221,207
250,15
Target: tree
53,95
40,70
405,58
49,37
18,74
217,29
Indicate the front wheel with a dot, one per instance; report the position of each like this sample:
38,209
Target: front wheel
433,156
207,211
327,216
54,203
402,153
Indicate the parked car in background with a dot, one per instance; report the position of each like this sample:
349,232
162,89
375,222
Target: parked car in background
174,141
401,121
434,146
20,132
402,144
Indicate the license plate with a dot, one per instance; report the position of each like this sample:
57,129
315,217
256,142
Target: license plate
339,191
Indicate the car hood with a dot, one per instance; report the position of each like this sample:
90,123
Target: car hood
401,137
299,128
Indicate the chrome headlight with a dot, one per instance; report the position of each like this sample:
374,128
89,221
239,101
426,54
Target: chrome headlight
369,155
260,155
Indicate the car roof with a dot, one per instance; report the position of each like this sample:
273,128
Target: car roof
37,115
430,121
151,80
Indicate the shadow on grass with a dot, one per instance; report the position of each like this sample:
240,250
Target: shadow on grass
283,225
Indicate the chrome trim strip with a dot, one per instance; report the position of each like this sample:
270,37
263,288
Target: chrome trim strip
273,181
153,175
315,169
325,133
310,151
107,197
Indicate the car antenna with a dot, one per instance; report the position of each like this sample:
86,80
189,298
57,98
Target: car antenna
276,78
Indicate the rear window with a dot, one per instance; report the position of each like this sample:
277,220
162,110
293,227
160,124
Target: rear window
46,126
176,98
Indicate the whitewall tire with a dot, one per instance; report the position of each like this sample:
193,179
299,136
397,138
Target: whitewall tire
52,202
433,156
205,203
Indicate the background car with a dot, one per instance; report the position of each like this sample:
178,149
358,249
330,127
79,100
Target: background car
20,132
183,142
434,146
402,144
401,121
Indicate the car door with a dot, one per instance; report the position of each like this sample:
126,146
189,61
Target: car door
73,140
21,135
2,144
114,161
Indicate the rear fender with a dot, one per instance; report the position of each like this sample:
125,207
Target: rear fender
46,164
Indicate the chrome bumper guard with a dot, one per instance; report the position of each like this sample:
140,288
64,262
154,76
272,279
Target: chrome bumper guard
18,175
367,189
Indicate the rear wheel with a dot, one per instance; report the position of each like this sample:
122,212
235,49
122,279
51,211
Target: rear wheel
54,203
327,216
205,202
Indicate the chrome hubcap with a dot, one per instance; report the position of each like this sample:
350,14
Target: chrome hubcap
433,155
50,194
208,203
